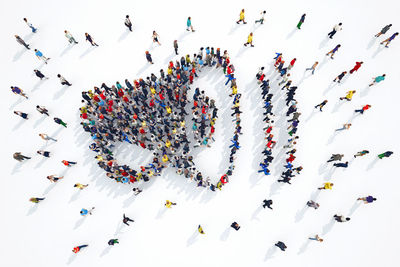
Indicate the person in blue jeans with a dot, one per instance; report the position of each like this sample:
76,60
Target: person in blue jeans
30,25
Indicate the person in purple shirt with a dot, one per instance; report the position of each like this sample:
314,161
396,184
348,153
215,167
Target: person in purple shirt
367,200
18,91
388,40
333,51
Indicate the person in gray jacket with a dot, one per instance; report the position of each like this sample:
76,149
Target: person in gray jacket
384,30
335,157
22,42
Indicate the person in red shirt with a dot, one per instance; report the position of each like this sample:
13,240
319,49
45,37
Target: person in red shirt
68,163
224,179
356,67
364,108
291,158
291,63
78,248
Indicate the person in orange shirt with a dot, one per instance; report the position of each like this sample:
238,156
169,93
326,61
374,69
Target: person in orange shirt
68,163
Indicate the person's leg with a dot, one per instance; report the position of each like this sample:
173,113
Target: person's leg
82,246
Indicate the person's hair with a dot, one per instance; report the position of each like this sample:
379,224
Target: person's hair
340,24
127,16
374,198
347,219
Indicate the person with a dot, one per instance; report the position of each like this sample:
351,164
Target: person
44,153
42,110
168,204
80,186
90,39
341,218
333,51
341,164
40,74
313,67
125,220
384,30
346,126
189,24
301,21
385,154
128,22
70,38
312,204
281,245
316,238
78,248
340,77
21,114
63,80
85,212
68,163
235,226
148,57
261,20
364,108
112,242
335,157
267,203
241,17
321,105
30,25
136,191
53,178
378,79
336,28
367,200
326,186
36,199
155,38
18,156
356,67
388,40
18,91
249,40
46,137
21,42
200,229
59,121
348,96
176,46
361,153
40,55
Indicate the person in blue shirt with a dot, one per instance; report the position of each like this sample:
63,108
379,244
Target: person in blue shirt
333,51
41,56
189,24
85,212
30,25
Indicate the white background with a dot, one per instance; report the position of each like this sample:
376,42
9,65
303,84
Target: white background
44,234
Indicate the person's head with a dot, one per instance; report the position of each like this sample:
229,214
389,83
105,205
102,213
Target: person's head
81,212
251,34
15,112
154,32
339,45
325,101
147,52
243,10
127,16
86,34
16,36
361,62
58,75
396,33
25,20
383,75
347,219
390,25
264,11
340,24
35,50
304,15
189,18
374,199
65,31
344,72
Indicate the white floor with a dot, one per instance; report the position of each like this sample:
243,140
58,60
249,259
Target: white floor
44,234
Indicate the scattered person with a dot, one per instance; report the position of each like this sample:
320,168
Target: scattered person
78,248
80,186
385,154
54,178
367,200
30,26
241,17
200,229
333,51
301,21
281,245
313,67
349,95
356,67
249,40
40,55
361,153
59,121
18,156
340,77
18,91
261,20
155,38
168,204
335,157
46,137
42,110
148,57
267,203
70,38
341,164
21,114
235,226
316,238
21,42
364,108
40,74
321,105
68,163
128,22
44,153
312,204
378,79
341,218
136,191
112,242
90,39
176,46
36,199
336,28
326,186
189,24
85,212
346,126
384,30
125,220
388,40
63,80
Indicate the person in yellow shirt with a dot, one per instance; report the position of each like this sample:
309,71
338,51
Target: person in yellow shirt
249,40
169,110
349,95
165,158
168,204
167,143
200,229
326,186
241,17
80,186
234,90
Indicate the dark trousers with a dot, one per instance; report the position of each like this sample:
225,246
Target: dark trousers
331,34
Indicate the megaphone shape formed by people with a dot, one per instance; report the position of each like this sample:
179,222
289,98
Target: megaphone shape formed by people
150,113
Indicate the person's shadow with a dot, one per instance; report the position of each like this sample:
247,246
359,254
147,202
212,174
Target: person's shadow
161,212
328,227
71,258
303,248
225,234
292,33
270,253
19,54
105,251
66,50
372,42
192,238
124,35
32,209
79,222
355,206
372,164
